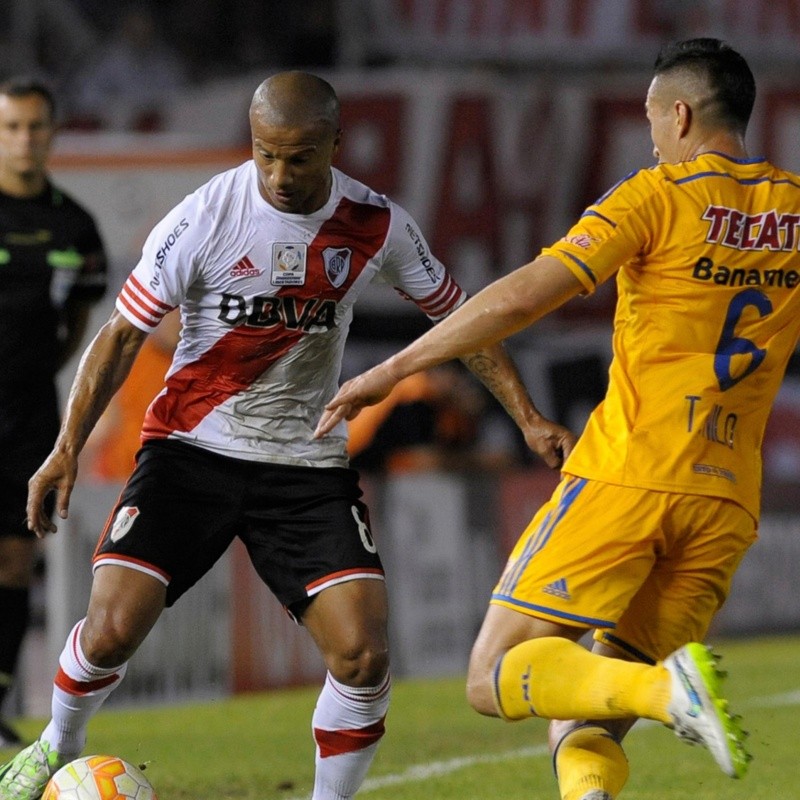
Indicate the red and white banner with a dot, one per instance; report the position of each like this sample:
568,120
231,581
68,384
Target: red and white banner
567,32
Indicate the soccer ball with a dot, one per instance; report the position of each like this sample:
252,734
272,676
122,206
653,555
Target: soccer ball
99,778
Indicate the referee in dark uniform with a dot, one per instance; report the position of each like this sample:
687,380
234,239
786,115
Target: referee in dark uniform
52,268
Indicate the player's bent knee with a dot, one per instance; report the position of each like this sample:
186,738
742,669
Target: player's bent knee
480,674
480,695
366,666
109,643
107,651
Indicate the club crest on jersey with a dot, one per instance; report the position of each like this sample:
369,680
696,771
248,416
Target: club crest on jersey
123,522
288,264
337,264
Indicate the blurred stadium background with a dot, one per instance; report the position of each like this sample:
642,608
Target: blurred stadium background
494,122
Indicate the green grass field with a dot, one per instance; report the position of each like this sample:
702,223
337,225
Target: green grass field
259,747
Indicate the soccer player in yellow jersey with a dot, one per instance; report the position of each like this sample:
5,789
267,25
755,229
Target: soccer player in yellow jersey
660,497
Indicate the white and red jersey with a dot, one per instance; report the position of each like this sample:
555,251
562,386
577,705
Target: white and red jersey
266,301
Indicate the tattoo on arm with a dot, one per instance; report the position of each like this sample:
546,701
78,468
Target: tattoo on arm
488,371
497,372
482,365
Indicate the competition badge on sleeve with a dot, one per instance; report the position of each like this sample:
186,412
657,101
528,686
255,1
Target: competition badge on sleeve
288,264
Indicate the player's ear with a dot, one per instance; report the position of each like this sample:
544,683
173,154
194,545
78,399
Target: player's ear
337,140
683,118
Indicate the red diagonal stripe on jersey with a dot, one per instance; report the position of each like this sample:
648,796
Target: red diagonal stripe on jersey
229,367
358,226
334,743
234,362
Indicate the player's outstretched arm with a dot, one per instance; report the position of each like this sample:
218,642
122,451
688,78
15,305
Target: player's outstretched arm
500,310
105,364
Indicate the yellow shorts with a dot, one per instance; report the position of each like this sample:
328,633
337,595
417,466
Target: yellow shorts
647,569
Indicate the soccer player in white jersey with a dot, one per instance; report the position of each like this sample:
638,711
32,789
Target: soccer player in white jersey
265,262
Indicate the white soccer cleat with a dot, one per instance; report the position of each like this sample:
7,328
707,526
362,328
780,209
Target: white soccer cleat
597,794
699,713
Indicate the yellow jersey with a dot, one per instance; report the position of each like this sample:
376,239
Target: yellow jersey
707,257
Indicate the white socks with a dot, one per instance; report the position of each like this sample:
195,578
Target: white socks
347,721
79,689
347,725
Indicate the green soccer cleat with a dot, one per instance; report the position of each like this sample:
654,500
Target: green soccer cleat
27,774
699,714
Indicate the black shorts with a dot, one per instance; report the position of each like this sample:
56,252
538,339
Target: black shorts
305,528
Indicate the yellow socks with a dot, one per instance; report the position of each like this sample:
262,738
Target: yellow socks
589,758
555,678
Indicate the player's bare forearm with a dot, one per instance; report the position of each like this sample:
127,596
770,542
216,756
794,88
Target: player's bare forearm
497,372
103,368
495,369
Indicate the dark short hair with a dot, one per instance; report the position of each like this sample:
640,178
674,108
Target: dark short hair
24,86
726,70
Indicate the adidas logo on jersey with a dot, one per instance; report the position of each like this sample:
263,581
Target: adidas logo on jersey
244,269
558,589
